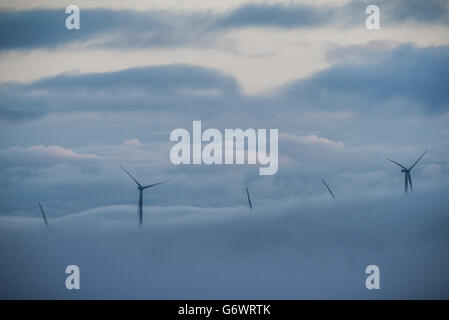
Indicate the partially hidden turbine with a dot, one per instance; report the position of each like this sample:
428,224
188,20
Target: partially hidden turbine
408,179
328,188
141,188
249,199
43,215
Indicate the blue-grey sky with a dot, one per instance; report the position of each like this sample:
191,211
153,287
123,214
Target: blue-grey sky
74,105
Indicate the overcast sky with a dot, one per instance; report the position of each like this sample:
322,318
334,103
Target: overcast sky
74,105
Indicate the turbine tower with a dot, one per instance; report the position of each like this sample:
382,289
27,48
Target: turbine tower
43,215
249,199
408,179
328,189
141,188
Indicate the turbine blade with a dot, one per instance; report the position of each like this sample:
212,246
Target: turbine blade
398,164
418,160
410,180
249,199
43,215
329,189
155,184
131,176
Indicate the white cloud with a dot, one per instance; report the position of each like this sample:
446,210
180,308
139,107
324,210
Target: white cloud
312,140
54,151
42,155
132,142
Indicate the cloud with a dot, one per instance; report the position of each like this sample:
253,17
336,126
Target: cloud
357,53
430,11
279,15
126,28
145,88
142,5
436,171
313,140
285,250
99,28
132,142
340,124
41,156
348,14
328,126
396,12
408,79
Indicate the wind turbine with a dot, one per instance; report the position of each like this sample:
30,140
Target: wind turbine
408,179
141,188
329,189
43,215
249,199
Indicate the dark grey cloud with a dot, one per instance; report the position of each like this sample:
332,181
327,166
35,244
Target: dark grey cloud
156,88
127,28
347,15
415,10
124,28
156,78
405,80
393,13
278,15
22,29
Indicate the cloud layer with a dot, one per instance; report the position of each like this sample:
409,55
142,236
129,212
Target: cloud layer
286,250
133,28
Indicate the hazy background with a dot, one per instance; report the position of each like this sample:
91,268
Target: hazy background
76,104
